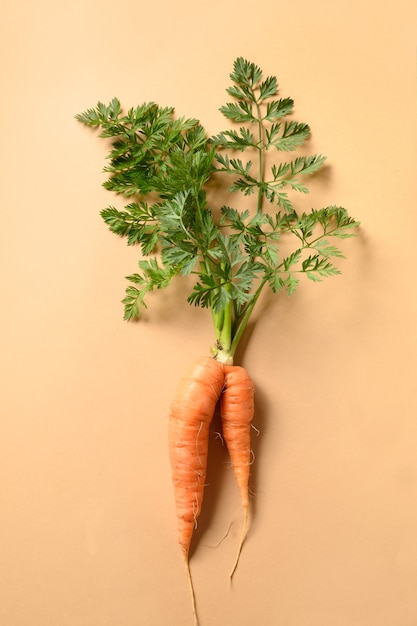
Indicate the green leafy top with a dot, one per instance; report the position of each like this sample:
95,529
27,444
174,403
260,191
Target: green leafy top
163,164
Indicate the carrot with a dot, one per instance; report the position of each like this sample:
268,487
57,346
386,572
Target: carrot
207,382
191,414
236,411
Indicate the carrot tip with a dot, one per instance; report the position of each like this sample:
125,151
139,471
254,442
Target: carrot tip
191,587
242,541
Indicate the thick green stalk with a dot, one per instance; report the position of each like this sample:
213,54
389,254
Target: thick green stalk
223,333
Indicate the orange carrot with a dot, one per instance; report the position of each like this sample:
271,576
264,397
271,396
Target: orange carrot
236,410
205,383
191,414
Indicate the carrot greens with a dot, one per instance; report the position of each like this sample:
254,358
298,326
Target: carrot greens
164,166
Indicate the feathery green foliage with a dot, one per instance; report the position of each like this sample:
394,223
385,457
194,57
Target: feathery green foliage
162,164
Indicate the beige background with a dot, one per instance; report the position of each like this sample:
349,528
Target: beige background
87,526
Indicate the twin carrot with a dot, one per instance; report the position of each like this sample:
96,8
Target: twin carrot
207,383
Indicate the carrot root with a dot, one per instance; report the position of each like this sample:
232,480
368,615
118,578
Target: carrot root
191,414
191,587
236,411
242,541
204,384
190,417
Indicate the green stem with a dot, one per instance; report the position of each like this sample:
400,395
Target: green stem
243,322
223,333
261,158
222,322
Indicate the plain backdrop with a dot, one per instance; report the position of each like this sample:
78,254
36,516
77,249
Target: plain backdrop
87,525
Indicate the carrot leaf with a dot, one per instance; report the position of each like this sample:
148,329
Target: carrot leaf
164,166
